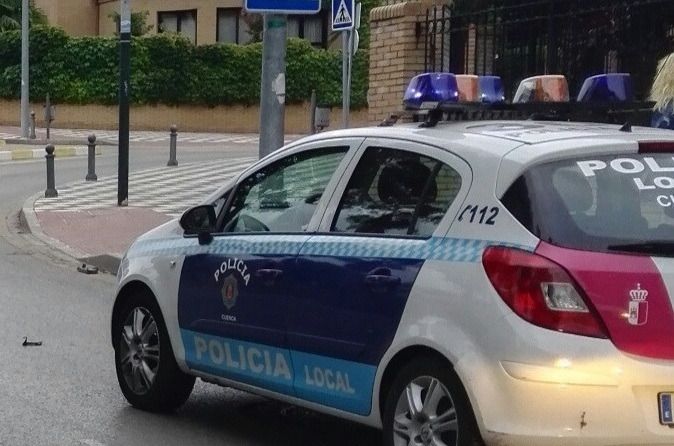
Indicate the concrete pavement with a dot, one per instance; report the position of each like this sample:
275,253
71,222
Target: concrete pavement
85,222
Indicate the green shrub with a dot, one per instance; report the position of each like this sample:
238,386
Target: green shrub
168,69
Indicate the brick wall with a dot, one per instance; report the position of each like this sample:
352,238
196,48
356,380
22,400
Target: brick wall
396,54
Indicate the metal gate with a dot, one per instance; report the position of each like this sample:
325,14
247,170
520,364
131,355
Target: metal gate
515,39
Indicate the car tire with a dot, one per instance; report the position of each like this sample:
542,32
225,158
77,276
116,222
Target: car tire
437,411
147,372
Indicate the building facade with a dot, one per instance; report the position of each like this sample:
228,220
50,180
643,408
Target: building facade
202,21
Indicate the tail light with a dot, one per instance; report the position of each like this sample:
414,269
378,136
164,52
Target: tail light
541,292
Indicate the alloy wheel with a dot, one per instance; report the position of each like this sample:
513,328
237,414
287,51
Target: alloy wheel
425,415
139,350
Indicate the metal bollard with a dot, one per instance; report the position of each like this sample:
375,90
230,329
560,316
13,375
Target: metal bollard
51,182
91,174
172,149
32,125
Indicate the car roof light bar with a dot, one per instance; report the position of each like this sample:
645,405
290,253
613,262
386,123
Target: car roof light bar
610,87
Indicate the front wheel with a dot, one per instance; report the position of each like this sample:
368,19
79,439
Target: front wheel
146,368
427,406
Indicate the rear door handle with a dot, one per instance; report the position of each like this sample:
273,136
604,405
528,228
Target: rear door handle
381,277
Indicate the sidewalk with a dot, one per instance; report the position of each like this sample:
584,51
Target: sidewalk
85,222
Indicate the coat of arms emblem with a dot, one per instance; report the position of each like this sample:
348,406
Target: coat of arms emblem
230,291
638,311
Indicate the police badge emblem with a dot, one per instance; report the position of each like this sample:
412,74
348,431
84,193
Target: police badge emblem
230,291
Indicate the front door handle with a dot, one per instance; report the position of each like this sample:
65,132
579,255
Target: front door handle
381,278
269,275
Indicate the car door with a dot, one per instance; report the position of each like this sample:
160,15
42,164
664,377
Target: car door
355,274
234,291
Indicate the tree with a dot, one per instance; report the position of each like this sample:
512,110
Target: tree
10,15
139,26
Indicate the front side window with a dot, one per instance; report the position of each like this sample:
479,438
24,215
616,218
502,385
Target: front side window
603,203
395,192
183,22
283,196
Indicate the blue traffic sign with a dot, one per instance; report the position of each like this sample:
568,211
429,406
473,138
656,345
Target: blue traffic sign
342,15
284,6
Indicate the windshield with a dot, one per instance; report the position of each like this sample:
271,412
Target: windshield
605,203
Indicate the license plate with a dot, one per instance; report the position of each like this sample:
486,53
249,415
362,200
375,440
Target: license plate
665,403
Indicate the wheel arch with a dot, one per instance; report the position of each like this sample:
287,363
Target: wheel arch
398,360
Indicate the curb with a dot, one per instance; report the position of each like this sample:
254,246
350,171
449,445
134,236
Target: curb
28,215
59,152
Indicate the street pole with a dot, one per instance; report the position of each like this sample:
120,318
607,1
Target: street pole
25,86
124,81
273,87
345,81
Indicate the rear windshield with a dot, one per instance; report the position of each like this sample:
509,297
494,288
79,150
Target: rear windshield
600,203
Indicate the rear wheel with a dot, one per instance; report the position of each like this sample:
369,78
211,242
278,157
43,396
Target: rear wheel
427,406
146,368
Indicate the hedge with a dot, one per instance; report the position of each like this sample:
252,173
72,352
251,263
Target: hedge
168,69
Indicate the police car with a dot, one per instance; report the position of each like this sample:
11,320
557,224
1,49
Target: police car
505,282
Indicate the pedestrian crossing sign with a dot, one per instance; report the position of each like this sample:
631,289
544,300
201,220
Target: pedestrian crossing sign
342,15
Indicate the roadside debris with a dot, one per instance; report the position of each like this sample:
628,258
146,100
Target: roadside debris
87,269
27,343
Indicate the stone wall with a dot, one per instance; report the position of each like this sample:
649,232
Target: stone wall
224,119
396,54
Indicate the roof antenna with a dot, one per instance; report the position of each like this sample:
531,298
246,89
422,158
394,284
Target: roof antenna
626,127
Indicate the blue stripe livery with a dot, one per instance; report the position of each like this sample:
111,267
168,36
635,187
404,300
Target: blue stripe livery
334,383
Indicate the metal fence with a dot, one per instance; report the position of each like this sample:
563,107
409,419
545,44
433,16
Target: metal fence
577,38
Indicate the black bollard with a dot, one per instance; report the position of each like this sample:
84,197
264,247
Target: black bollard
173,146
91,174
32,125
51,182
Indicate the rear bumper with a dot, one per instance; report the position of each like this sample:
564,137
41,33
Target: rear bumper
608,401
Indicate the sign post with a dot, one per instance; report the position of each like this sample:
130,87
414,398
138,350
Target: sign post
273,85
342,20
124,81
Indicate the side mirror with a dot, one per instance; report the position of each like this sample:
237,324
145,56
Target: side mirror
199,219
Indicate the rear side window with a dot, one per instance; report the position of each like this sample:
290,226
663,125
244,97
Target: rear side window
395,192
608,203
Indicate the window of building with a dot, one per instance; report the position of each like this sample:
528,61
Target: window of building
313,28
183,22
232,27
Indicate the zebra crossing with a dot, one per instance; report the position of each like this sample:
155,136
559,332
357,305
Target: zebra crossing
165,190
148,136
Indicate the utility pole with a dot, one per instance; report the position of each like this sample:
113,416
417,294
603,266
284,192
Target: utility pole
273,89
25,77
346,93
124,87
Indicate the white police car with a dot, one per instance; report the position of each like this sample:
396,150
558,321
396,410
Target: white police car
506,282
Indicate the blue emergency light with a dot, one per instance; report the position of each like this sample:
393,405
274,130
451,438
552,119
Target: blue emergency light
491,89
611,87
427,90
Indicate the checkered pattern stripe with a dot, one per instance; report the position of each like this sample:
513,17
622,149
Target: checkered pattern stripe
165,190
436,248
232,245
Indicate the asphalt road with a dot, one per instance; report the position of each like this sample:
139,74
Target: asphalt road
65,392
